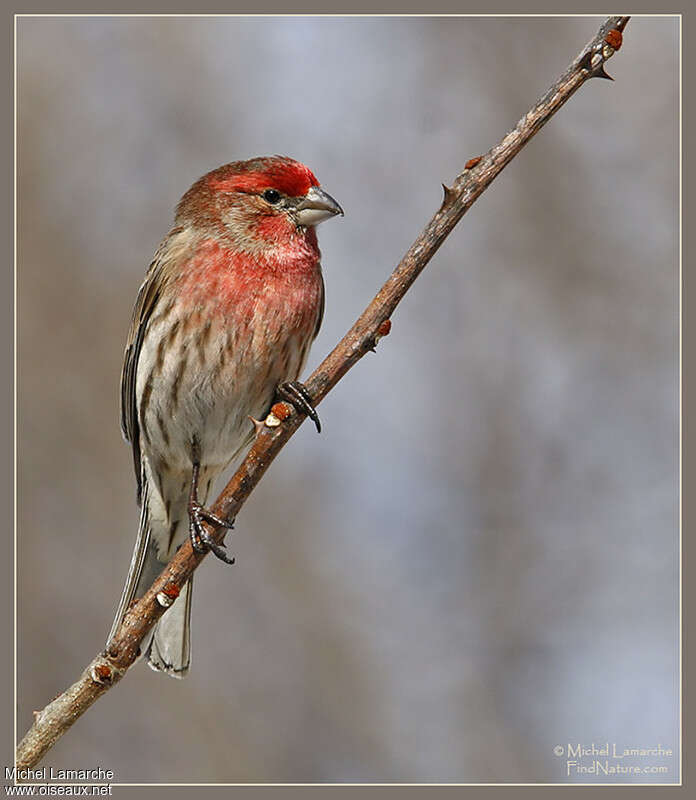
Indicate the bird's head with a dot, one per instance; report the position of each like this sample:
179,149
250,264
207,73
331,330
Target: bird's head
257,203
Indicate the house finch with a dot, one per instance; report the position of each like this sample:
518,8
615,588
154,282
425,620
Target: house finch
226,315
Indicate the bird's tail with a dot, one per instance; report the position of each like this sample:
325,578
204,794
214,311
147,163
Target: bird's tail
167,647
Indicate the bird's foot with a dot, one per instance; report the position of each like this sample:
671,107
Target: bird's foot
297,395
201,540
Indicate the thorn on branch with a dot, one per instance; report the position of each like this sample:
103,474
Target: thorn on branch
257,423
472,162
595,58
601,73
593,62
449,197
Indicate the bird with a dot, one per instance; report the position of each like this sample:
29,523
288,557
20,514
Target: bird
222,325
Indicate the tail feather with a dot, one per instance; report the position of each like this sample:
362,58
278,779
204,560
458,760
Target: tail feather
167,647
143,553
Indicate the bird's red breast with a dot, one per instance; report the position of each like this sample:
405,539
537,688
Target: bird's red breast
284,282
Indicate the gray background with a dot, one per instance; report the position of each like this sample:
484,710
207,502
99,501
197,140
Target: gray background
477,560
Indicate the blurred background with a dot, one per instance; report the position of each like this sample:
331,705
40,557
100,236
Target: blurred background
477,560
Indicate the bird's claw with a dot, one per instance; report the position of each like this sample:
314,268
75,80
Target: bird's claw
297,395
201,540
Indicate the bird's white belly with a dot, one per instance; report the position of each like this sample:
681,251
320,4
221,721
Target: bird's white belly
200,411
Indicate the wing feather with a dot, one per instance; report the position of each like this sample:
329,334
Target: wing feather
172,247
322,304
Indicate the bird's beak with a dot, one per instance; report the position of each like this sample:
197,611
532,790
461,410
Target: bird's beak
315,207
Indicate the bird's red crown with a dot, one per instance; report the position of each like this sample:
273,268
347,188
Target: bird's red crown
284,174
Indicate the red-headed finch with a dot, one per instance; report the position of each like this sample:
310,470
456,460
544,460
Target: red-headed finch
226,314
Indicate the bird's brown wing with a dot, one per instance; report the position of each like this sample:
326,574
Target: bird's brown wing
322,304
172,247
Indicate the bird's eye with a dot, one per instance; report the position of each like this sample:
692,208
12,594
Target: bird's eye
271,196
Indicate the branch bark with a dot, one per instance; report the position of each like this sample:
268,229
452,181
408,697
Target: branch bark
109,666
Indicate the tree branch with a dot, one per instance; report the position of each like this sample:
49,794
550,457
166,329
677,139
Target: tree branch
110,666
